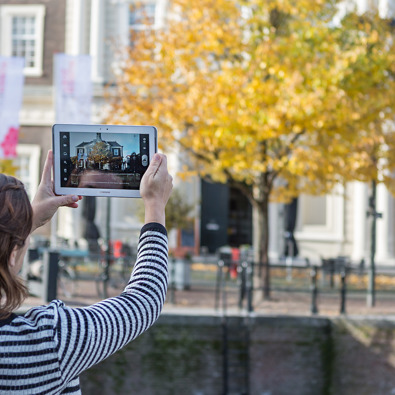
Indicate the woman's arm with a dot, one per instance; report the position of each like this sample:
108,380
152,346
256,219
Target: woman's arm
86,336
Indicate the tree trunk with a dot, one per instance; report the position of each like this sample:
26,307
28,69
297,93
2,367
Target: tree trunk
258,196
261,243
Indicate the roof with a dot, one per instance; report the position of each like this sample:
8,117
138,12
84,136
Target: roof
111,143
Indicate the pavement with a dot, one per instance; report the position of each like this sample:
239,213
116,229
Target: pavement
201,300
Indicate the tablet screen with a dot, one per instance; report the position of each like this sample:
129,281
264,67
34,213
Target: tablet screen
101,160
104,160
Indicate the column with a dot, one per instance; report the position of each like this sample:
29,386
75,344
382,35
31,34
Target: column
75,27
97,40
276,231
122,34
382,241
386,8
360,207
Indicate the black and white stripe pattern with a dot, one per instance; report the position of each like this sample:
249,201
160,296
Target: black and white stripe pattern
44,351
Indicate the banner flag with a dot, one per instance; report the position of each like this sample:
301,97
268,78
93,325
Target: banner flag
11,95
73,104
73,88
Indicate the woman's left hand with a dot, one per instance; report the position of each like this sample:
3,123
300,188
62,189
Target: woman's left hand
46,203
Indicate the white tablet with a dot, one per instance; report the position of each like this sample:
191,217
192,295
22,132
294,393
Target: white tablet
101,160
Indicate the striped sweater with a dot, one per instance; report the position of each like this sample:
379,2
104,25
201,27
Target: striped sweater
44,351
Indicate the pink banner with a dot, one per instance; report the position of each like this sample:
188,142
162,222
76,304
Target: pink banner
11,95
73,88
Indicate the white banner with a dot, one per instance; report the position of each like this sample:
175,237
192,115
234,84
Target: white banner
73,88
11,94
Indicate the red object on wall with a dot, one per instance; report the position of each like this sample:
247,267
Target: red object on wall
117,248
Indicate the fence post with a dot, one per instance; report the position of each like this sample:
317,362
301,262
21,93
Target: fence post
218,284
343,291
332,263
172,280
314,290
250,286
242,272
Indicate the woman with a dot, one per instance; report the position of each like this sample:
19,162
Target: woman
44,351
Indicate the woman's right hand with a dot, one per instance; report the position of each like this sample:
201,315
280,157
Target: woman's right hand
155,189
45,202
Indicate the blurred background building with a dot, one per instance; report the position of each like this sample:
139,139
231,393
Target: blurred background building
324,226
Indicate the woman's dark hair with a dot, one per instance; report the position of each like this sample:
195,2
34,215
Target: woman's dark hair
16,218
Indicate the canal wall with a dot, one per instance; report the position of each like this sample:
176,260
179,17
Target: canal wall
183,354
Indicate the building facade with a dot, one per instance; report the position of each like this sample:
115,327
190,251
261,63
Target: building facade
326,226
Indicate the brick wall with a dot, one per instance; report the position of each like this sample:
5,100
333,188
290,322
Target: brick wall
288,355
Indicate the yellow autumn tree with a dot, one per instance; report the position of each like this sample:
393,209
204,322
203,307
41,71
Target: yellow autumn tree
274,97
7,167
99,154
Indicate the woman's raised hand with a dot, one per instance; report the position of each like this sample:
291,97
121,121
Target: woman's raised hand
155,189
46,203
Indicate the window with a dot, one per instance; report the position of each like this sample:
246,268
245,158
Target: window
23,39
28,163
321,217
315,215
22,34
142,16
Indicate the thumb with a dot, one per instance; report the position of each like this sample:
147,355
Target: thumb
155,163
66,200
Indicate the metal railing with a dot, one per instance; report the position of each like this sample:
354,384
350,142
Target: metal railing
220,282
48,272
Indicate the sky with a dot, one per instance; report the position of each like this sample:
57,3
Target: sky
130,142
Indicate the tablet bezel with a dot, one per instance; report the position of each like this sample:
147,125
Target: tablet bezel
78,128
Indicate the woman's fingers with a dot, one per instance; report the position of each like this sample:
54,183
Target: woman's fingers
46,177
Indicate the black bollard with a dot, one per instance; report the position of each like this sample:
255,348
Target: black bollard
50,275
314,290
